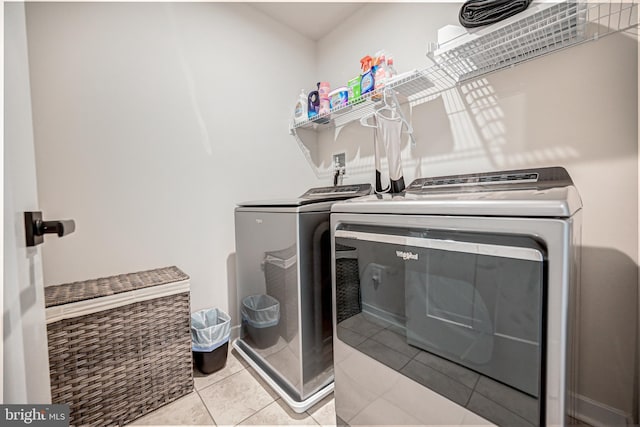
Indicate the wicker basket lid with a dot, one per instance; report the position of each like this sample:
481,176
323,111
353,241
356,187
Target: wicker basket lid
96,288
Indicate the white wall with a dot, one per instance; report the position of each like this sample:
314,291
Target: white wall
151,122
577,108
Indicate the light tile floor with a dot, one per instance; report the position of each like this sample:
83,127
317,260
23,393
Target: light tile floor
236,395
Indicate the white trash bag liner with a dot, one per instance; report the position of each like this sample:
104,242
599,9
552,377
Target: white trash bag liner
210,328
261,311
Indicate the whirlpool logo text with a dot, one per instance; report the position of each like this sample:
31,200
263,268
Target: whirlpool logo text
406,255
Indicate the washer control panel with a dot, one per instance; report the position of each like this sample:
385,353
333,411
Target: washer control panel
337,192
540,178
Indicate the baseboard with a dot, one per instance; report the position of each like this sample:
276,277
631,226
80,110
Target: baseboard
598,414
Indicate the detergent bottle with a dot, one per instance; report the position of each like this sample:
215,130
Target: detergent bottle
300,111
313,104
367,82
379,74
391,70
324,88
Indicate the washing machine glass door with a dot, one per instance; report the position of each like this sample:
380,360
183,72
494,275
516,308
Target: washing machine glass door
460,313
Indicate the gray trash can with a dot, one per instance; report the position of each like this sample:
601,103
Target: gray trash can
260,317
210,330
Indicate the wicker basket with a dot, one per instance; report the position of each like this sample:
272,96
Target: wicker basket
119,347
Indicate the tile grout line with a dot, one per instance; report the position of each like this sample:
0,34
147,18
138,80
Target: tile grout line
314,420
311,415
206,387
243,368
225,378
206,408
249,416
221,379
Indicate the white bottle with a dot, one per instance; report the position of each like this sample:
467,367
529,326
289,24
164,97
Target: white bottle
390,69
300,112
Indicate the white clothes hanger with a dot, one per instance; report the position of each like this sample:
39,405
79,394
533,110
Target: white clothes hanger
364,120
394,108
398,110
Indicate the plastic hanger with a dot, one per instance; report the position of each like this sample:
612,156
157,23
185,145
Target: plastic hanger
386,106
365,123
394,107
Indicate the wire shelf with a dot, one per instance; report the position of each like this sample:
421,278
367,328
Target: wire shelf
409,86
543,28
540,31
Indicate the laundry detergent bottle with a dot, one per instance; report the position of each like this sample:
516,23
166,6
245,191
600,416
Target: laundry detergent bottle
313,104
367,82
324,88
379,75
300,111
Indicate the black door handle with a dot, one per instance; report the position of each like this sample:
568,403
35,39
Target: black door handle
36,228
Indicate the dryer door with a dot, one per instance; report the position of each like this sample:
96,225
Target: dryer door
460,313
